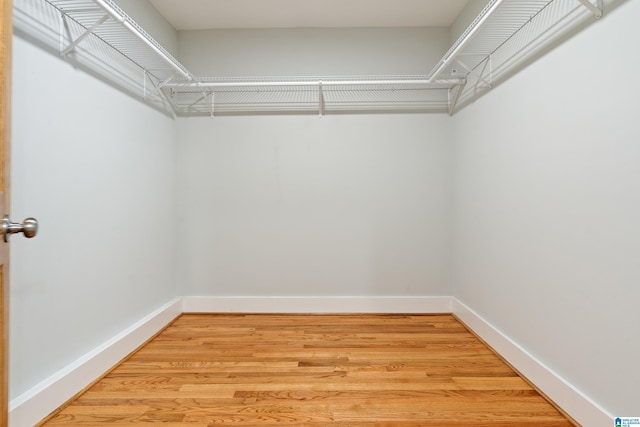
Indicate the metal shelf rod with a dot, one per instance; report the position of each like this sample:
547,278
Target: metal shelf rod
200,84
122,19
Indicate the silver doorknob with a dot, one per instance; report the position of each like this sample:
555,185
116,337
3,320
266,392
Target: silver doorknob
29,227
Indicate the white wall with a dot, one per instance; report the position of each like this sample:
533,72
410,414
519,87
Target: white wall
545,187
312,52
547,202
352,205
96,168
339,205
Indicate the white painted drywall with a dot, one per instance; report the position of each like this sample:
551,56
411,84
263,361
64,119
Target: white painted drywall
96,168
312,52
309,206
546,199
306,206
547,208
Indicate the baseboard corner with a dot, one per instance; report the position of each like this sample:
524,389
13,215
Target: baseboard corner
572,401
41,400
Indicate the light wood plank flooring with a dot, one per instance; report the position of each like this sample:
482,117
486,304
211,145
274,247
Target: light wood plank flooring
312,370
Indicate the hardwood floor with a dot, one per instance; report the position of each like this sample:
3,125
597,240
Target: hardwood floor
312,370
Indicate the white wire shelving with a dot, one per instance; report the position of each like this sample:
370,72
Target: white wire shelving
319,95
98,34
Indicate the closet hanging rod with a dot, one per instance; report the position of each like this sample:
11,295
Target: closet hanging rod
110,8
324,83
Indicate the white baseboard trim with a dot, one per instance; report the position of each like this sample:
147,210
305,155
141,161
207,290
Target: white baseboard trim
418,304
32,406
571,400
37,403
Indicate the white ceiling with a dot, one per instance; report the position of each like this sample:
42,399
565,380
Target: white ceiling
210,14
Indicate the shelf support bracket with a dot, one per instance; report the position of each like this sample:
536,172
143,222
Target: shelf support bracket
488,83
454,95
212,105
157,89
198,101
203,98
320,99
83,36
596,9
160,85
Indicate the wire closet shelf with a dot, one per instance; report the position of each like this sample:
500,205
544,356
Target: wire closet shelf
504,35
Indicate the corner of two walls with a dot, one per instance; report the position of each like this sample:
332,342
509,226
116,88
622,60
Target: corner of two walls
343,205
96,167
267,206
465,18
547,201
145,14
544,211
